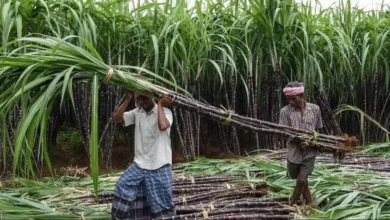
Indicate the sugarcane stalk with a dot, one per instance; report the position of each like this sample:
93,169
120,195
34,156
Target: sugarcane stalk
254,202
386,122
191,135
254,99
251,216
365,123
197,189
272,210
223,138
373,130
206,179
268,202
236,143
182,145
327,110
199,211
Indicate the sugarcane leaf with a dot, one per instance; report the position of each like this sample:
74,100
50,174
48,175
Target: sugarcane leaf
92,49
342,213
371,195
322,198
156,53
246,89
343,108
43,126
66,84
26,73
23,127
218,68
350,198
338,199
28,203
363,215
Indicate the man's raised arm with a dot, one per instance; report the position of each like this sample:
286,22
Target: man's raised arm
118,115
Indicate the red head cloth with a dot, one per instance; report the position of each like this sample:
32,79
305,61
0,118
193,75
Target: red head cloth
291,91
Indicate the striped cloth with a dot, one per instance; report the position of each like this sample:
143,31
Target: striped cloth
310,120
143,194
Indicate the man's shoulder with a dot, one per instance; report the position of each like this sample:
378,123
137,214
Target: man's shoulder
285,109
313,106
167,110
132,111
136,112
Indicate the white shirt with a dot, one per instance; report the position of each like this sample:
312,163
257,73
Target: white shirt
152,146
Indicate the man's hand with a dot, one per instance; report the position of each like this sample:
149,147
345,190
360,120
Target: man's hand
130,95
118,115
163,122
303,143
164,101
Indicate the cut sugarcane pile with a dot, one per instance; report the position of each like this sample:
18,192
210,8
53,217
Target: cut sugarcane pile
216,197
339,192
65,69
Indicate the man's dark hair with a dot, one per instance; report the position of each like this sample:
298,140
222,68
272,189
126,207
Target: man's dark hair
294,84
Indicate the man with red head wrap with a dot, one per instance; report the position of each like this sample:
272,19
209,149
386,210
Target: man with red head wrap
300,160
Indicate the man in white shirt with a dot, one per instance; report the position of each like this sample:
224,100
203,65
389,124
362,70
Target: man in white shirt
144,190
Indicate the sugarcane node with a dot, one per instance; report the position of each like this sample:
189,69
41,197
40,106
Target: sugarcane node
228,120
205,213
109,75
314,139
172,98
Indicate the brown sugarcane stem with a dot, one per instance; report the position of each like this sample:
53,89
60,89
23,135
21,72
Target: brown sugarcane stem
250,216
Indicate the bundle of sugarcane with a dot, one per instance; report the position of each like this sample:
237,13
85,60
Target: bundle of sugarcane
327,143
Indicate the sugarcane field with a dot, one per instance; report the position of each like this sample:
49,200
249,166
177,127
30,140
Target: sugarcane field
194,109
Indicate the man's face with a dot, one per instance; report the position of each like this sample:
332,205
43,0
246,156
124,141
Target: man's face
294,100
144,102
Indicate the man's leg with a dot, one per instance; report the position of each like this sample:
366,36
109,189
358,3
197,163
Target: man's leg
308,167
159,192
302,183
307,195
293,172
126,205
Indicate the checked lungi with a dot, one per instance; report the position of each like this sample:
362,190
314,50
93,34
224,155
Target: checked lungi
143,194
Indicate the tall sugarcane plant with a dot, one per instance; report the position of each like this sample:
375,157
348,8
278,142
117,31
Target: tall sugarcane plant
48,69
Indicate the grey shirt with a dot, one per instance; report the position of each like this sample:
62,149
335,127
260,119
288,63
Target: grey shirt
309,120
